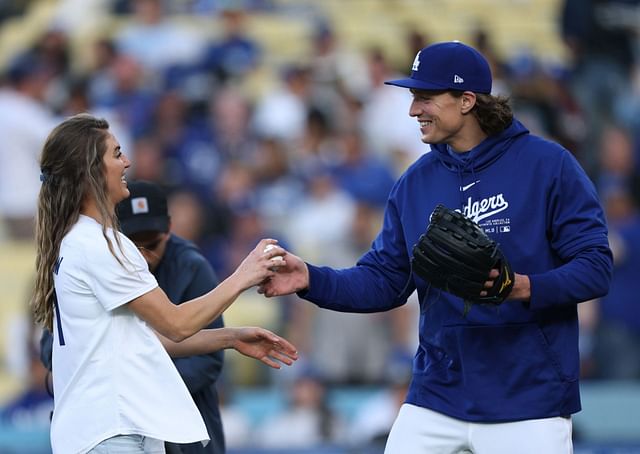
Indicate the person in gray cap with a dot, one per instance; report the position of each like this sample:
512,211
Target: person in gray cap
487,378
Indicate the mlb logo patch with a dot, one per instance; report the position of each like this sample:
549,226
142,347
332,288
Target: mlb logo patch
139,205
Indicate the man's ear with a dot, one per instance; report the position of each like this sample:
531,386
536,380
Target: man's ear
468,100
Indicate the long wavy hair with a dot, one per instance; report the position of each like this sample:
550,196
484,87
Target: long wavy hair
72,169
494,113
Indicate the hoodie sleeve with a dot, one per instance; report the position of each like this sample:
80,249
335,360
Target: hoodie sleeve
577,232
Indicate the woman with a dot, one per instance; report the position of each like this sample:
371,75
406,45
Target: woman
114,384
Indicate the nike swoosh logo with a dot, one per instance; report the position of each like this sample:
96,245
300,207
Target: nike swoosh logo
464,188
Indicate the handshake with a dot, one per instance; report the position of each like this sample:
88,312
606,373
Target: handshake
276,271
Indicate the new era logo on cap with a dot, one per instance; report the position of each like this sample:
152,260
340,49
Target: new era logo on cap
139,205
448,65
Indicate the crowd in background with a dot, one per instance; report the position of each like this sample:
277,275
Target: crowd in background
310,161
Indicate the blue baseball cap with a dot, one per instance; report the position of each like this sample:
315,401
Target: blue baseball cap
145,210
448,66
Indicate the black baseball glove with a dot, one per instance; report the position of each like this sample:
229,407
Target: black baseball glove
456,255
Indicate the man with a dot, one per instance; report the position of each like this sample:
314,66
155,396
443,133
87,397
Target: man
183,274
495,379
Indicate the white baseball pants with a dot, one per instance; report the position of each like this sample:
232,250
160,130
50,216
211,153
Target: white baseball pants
418,430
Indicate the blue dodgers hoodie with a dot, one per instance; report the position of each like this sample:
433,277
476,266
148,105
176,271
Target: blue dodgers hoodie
496,363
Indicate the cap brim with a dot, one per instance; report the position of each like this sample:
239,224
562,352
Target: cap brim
144,224
416,84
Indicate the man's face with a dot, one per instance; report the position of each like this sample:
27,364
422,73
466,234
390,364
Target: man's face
152,246
439,114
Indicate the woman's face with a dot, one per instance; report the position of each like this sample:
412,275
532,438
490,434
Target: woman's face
115,164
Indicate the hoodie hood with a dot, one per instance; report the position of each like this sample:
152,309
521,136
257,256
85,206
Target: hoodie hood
484,154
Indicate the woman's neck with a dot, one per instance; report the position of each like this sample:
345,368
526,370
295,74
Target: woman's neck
90,209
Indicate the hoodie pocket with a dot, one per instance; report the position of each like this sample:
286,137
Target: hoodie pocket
507,357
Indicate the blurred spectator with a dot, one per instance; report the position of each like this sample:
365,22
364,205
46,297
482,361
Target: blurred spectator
601,36
617,342
25,122
307,421
230,120
278,191
317,147
610,321
155,41
482,41
31,409
53,49
338,73
388,130
320,229
196,221
373,420
235,188
234,55
12,8
365,176
282,112
618,160
187,141
236,425
77,99
540,98
101,81
416,40
245,226
147,159
126,95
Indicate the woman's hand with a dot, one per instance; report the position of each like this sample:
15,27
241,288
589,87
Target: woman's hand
263,345
261,264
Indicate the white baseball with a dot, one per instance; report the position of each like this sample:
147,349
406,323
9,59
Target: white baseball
271,246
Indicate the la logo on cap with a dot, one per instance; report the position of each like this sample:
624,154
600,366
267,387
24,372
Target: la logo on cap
416,62
139,205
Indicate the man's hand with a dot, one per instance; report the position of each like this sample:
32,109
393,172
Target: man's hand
289,278
263,345
521,286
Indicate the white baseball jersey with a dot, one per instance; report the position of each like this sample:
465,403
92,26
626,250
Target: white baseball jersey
111,374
